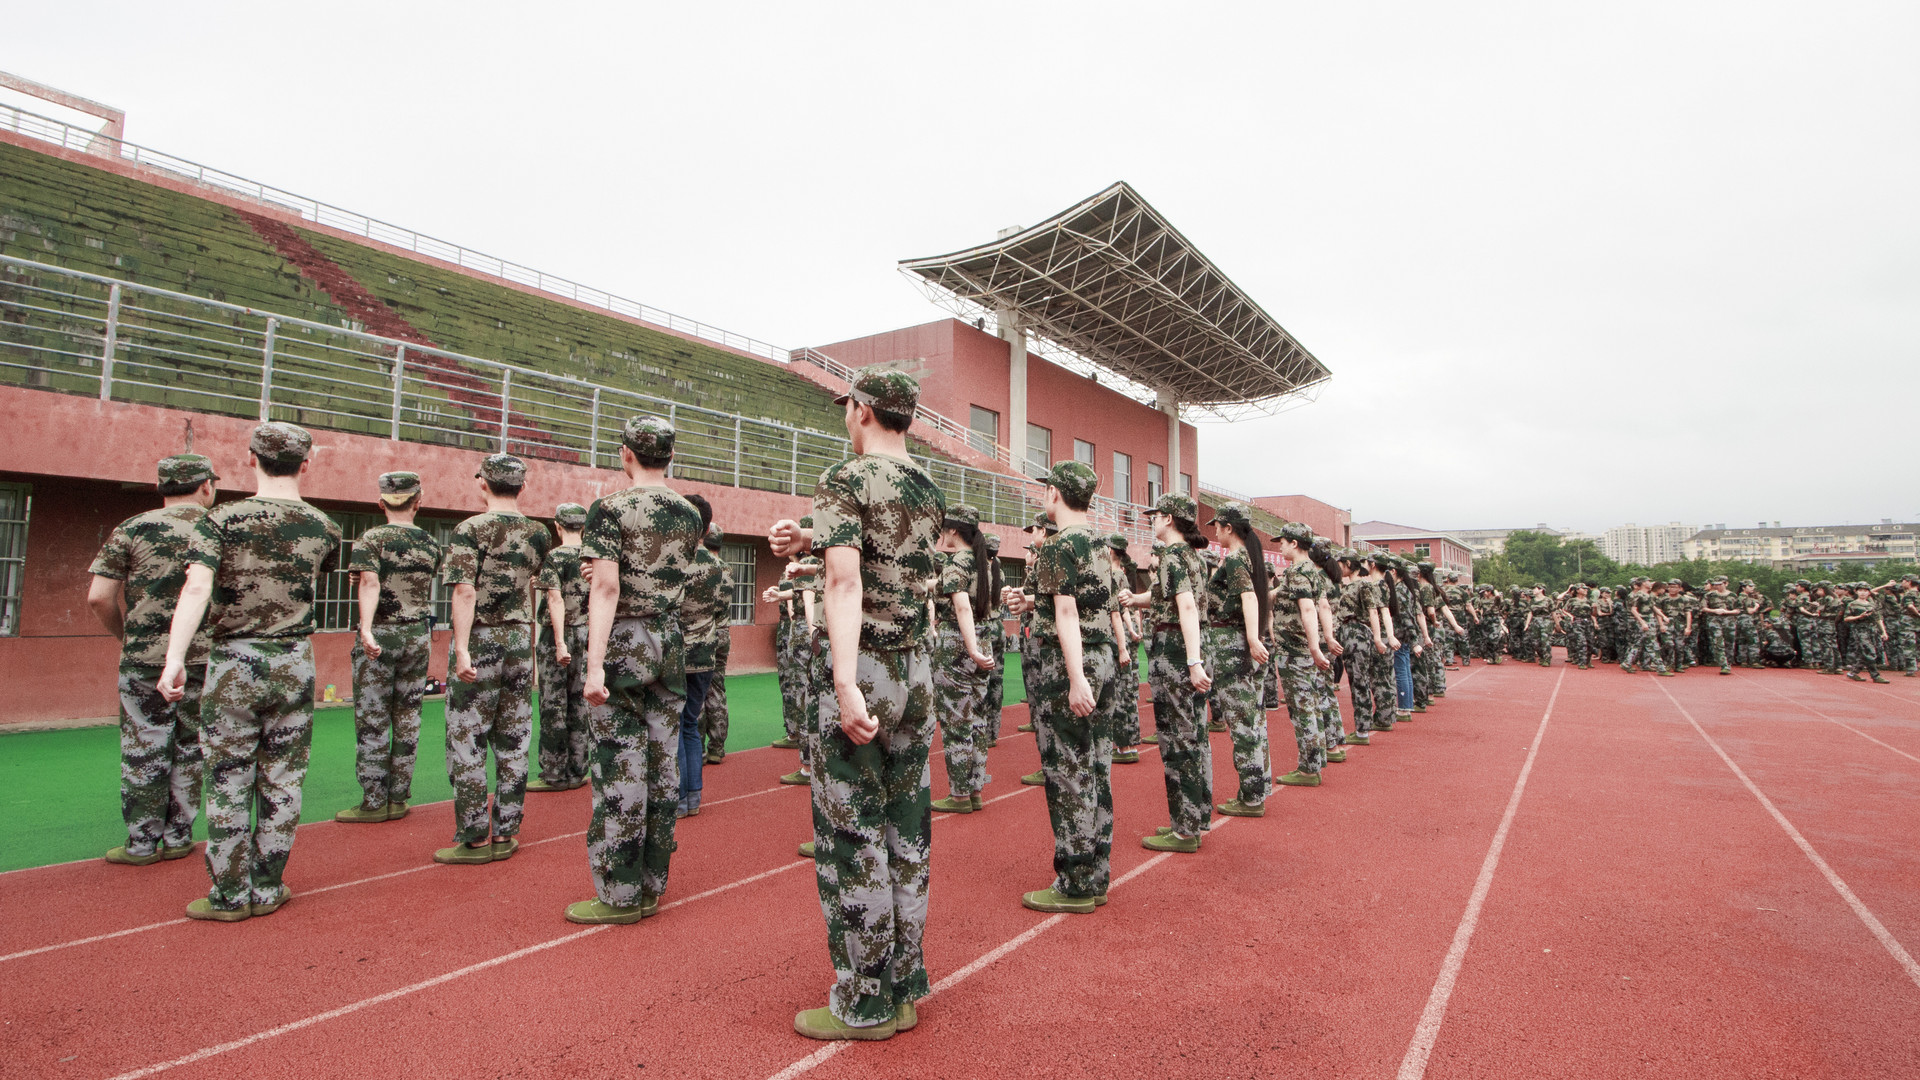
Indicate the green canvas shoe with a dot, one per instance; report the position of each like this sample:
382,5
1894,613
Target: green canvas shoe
123,857
1236,808
1126,757
362,815
540,784
504,849
203,909
714,757
784,743
649,905
796,778
1037,779
397,810
806,850
823,1025
601,913
1169,842
978,803
1053,900
1217,725
1337,756
464,855
1358,738
1297,778
905,1017
273,905
172,853
950,805
1150,740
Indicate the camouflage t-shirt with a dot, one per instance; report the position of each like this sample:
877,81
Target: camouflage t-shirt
956,576
498,553
148,552
561,569
1074,562
1180,570
1541,609
652,533
1230,579
1356,600
1405,626
1429,598
1892,604
1862,607
266,556
1580,607
1289,629
405,558
1646,606
890,510
703,607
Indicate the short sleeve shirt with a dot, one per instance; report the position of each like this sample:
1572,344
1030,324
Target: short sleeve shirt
149,553
1356,599
498,553
1579,607
1073,562
1861,607
956,576
1180,570
1233,577
267,556
1289,630
889,510
652,533
405,558
561,569
703,608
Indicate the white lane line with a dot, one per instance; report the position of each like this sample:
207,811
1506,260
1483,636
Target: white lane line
1830,719
1414,1065
811,1061
1866,917
337,885
425,984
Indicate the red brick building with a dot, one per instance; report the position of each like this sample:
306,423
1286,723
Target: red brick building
1446,552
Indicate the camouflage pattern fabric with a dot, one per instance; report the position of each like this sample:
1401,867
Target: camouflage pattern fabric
1826,631
1074,562
147,553
256,727
405,559
704,607
989,719
499,554
386,709
564,568
787,669
493,712
1076,757
266,555
1863,644
1179,718
1643,645
635,766
1541,630
872,834
160,758
959,695
652,533
1238,684
565,743
891,511
1309,698
1746,652
713,715
1369,674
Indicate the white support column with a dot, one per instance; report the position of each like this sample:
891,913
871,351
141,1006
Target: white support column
1171,406
1016,433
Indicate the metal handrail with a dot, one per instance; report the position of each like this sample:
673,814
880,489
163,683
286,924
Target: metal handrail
159,347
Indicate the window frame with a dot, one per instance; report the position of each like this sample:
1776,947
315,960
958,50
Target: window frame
983,440
13,555
745,580
1040,467
1123,477
1156,482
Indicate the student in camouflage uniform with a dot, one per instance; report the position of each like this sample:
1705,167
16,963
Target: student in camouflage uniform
813,654
394,567
1484,631
1070,683
1604,639
1430,675
1239,608
1828,611
1868,634
1647,624
640,543
1538,626
1364,632
565,742
1795,604
136,585
1688,647
252,572
1752,608
784,596
1673,625
1323,569
960,661
1177,674
1041,527
703,622
1904,631
1721,610
996,648
1304,665
1409,628
877,517
1125,723
713,713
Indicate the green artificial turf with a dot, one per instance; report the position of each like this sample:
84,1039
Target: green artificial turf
60,790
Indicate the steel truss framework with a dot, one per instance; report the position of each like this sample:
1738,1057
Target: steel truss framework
1111,290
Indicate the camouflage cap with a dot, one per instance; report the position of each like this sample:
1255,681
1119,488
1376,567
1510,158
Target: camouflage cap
186,469
502,469
1746,583
715,537
1675,581
1297,531
1174,504
1540,586
806,522
1912,579
963,514
1721,580
1044,522
396,488
1453,575
1425,565
1074,479
993,544
648,436
1823,584
570,516
893,392
1116,541
281,443
1804,583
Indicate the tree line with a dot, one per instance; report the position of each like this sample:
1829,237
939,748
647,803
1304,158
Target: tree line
1537,558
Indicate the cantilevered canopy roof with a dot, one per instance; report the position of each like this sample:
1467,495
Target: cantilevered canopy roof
1109,281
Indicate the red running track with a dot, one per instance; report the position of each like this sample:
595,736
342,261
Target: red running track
1647,915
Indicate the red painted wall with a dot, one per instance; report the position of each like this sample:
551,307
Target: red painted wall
1325,519
1444,554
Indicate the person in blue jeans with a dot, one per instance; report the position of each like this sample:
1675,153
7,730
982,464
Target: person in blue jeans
1406,628
703,619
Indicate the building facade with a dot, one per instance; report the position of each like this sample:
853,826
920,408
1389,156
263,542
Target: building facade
1446,551
1806,545
1325,519
1646,545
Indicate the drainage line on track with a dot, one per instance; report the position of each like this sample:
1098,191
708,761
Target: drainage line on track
1866,917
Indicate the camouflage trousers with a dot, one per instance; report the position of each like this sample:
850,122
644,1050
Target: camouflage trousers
1722,641
959,696
713,715
386,710
819,668
1542,647
1826,648
795,683
1605,640
494,711
1746,651
1580,648
564,740
1180,720
1369,675
256,727
1428,675
1076,756
160,760
1310,699
1238,686
1270,682
1863,647
1125,723
1671,640
636,765
1519,642
1901,653
1643,651
1803,643
872,835
1485,636
996,681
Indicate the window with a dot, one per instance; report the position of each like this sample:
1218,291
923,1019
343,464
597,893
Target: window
1039,449
1186,484
1156,483
1122,476
1422,550
740,559
985,425
337,600
1083,451
16,503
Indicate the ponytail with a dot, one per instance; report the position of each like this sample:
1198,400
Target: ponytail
1258,557
1322,556
983,567
1393,595
1190,533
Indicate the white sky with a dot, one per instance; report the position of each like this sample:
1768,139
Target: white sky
1580,264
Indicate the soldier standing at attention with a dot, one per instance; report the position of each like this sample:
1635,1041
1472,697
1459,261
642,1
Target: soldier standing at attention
960,662
713,713
1177,672
1648,624
143,566
1752,608
565,742
781,595
1042,527
1867,632
641,545
877,517
1722,612
1304,664
1239,607
1126,699
703,621
996,648
491,563
252,569
393,566
1538,626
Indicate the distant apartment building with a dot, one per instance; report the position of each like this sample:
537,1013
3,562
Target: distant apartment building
1646,545
1485,542
1447,551
1805,545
